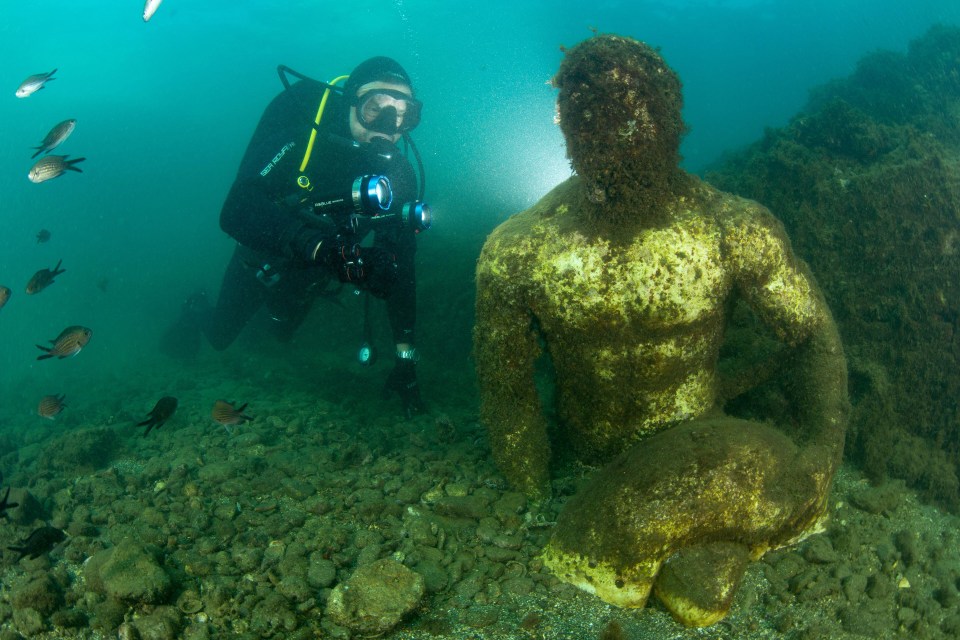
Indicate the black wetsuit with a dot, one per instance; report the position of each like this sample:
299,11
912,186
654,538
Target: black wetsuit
272,219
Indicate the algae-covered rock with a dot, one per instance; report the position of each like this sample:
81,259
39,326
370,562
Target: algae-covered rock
82,450
28,622
376,597
130,573
28,508
160,624
42,594
867,181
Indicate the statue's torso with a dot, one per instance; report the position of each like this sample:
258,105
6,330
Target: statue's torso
633,322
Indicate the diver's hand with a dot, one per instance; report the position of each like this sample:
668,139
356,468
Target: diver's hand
403,381
370,268
378,271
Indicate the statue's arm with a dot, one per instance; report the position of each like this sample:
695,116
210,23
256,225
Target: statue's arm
506,348
783,292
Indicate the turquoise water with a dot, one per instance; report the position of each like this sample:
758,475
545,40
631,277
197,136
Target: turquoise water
164,110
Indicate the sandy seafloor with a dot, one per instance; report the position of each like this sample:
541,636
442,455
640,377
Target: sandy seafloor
256,526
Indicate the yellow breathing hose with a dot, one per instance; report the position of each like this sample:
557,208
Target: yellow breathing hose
313,134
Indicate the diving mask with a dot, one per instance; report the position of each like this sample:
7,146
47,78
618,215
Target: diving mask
388,111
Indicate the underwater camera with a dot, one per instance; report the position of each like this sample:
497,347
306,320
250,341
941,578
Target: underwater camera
371,197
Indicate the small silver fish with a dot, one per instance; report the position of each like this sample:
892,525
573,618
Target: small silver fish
150,8
49,167
56,136
34,83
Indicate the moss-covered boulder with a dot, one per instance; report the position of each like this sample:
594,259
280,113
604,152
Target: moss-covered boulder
79,451
129,572
867,181
42,594
376,597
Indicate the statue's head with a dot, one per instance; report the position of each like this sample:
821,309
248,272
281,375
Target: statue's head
619,109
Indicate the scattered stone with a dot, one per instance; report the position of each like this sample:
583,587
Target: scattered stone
376,597
854,587
161,624
480,616
28,508
322,572
820,551
878,500
435,577
28,622
69,618
130,573
42,594
474,507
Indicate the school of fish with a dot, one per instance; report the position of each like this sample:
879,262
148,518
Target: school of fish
72,339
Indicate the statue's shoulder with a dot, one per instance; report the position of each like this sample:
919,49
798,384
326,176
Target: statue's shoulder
732,212
752,237
553,207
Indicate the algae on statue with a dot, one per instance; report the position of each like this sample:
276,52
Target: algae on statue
625,275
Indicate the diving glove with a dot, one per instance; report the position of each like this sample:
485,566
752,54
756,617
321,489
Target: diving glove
370,268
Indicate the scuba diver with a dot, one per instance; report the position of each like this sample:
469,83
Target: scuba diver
321,172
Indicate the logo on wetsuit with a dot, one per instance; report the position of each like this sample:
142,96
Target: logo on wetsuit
276,158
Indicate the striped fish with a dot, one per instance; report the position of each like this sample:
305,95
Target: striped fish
69,343
226,414
55,137
51,406
50,167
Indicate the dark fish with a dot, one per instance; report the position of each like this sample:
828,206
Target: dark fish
160,413
68,343
39,542
34,83
43,278
4,295
102,283
226,414
55,137
50,167
42,236
51,406
4,505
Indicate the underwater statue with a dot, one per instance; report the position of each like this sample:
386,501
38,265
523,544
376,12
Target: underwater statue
624,275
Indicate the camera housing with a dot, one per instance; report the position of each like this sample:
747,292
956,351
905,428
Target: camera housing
368,195
371,197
